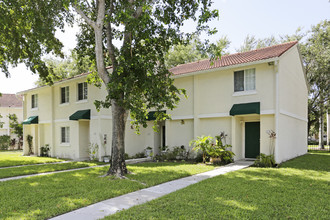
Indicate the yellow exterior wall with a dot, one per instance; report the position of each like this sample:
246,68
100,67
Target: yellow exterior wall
206,112
292,107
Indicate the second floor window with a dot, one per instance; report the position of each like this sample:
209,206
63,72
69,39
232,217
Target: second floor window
82,91
245,80
65,94
34,101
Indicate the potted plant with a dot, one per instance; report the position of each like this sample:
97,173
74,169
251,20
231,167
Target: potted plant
106,159
148,151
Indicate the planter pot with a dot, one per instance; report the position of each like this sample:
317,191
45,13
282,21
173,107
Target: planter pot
215,160
148,153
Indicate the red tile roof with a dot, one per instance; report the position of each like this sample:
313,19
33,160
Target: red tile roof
234,59
11,100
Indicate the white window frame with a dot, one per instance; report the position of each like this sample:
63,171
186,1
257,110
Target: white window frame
65,140
246,80
34,101
85,91
66,93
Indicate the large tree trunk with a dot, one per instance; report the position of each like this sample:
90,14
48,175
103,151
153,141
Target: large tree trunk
119,117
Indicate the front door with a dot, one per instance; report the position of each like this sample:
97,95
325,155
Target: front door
252,139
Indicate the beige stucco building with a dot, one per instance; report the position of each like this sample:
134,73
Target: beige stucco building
10,104
244,94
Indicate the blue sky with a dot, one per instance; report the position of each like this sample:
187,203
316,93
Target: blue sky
238,18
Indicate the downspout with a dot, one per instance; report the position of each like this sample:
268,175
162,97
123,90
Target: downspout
52,125
277,107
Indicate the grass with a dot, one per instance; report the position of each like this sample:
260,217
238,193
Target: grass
43,197
33,169
299,189
15,158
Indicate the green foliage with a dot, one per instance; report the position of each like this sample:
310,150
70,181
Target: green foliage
298,190
60,193
251,43
65,68
16,128
202,143
185,53
220,151
29,139
4,142
44,151
1,123
316,57
28,32
264,160
177,153
93,151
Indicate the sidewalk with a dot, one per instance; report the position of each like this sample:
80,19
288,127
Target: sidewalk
111,206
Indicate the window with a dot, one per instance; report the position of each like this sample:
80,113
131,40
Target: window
82,91
34,101
245,80
65,135
65,94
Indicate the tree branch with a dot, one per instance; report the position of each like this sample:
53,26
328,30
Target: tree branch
89,21
110,46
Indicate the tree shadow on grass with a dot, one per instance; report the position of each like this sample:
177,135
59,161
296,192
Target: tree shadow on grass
47,196
314,161
251,193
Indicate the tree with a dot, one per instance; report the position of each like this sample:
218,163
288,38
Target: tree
251,43
65,68
219,48
17,128
316,57
184,53
139,79
1,123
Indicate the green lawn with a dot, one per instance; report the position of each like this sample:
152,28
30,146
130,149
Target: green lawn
298,190
15,158
33,169
43,197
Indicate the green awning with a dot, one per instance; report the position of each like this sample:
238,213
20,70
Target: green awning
152,116
31,120
81,114
245,108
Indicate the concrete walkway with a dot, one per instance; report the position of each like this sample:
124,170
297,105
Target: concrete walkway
111,206
131,161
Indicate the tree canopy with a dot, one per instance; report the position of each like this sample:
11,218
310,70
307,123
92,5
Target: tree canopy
138,80
65,68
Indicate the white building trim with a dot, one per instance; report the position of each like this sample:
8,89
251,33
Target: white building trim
267,112
214,115
292,115
183,117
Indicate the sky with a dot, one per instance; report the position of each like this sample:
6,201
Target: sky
238,18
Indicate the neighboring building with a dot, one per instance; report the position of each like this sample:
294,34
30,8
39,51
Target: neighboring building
10,104
243,94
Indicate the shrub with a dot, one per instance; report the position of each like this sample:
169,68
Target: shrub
29,139
202,143
220,151
44,151
264,160
93,150
4,142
